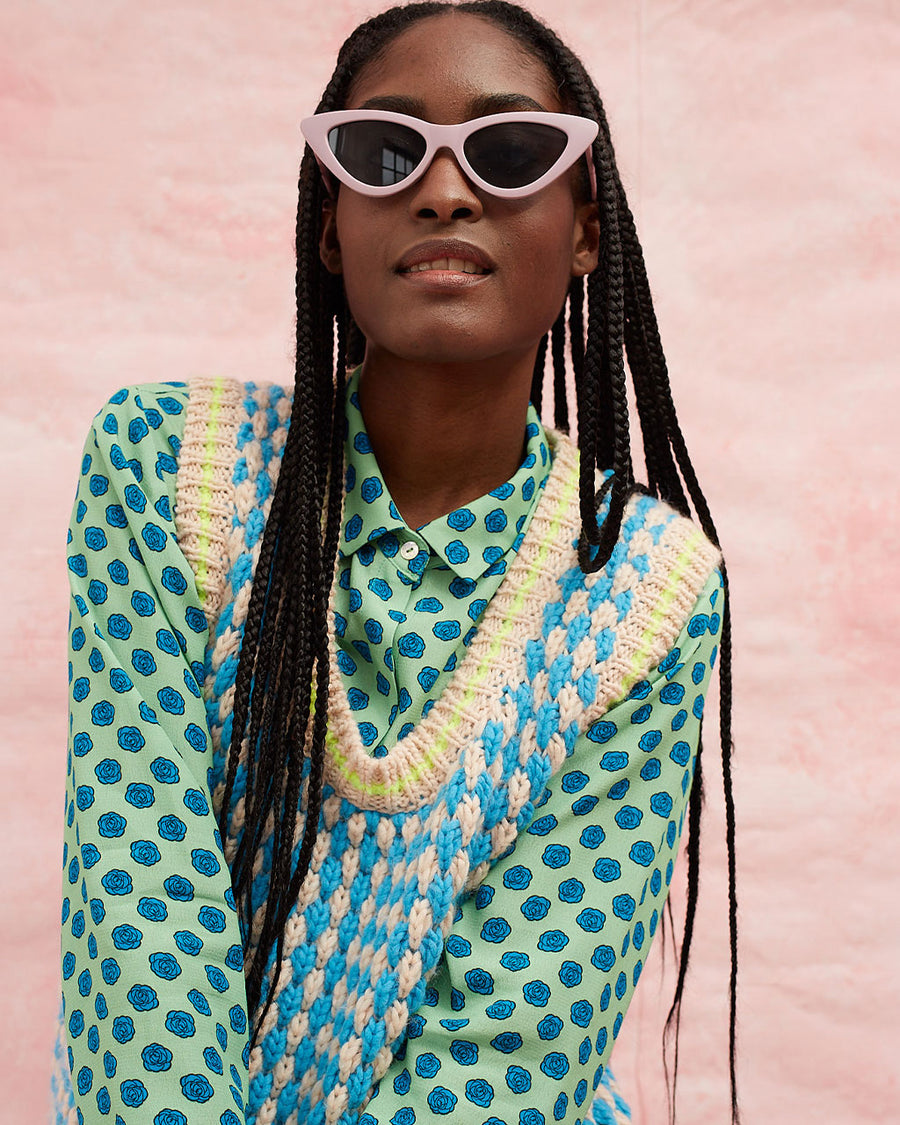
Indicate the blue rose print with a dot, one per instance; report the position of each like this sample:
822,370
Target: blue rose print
629,817
535,907
177,887
142,997
180,1024
188,943
196,737
110,970
111,824
130,739
196,1088
170,1117
642,852
134,1092
171,827
213,1060
212,919
117,882
156,1058
536,993
164,770
496,929
204,862
195,802
139,795
165,965
143,662
154,537
441,1100
555,1065
518,1079
216,978
153,909
479,1092
145,852
200,1002
570,973
480,981
126,937
581,1013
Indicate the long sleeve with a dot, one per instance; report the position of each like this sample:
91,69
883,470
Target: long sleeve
541,963
153,989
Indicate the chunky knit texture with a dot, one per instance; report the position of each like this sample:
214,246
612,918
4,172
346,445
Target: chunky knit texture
403,838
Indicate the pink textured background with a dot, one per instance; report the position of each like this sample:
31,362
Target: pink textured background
149,154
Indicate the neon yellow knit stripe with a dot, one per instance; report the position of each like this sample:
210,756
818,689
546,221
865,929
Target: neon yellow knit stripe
506,626
662,608
209,449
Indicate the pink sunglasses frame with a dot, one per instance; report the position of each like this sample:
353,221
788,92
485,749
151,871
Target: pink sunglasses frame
580,134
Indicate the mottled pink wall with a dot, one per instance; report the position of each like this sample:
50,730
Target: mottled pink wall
149,154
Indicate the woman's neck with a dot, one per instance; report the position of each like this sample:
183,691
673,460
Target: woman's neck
445,434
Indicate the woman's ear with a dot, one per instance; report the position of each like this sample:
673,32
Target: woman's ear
586,239
329,245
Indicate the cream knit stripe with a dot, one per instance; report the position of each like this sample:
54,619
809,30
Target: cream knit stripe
663,604
204,490
245,500
684,550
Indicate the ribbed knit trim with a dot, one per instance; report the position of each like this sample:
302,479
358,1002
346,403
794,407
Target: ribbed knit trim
678,563
412,772
204,501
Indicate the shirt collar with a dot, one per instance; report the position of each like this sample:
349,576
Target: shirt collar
471,540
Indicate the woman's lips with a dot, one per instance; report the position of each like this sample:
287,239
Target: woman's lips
457,265
435,276
445,255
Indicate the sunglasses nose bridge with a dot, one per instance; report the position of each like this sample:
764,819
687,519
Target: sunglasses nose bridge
444,150
443,187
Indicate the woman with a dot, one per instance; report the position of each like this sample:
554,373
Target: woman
467,669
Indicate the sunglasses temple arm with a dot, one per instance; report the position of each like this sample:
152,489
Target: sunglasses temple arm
327,179
592,172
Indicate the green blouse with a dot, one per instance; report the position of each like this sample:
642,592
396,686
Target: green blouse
541,962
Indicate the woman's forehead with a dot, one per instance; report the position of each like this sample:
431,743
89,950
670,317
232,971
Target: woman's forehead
459,63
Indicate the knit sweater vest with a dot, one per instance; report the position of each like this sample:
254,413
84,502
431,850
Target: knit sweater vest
402,839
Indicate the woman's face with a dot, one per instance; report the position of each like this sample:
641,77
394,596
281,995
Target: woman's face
447,69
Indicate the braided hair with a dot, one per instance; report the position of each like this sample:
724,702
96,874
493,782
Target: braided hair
281,689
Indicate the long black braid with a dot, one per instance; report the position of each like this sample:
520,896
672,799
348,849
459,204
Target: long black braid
281,690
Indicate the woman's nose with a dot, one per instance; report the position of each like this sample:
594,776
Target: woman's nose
443,192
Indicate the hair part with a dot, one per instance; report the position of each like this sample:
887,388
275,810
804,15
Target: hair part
281,689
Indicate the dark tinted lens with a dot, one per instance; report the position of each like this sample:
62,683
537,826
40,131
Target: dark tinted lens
378,153
516,154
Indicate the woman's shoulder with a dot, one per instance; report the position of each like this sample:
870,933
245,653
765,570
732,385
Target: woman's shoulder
165,399
189,427
136,422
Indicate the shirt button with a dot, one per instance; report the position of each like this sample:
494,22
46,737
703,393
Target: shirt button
408,550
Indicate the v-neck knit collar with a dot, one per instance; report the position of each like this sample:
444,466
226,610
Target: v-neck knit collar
408,603
469,540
